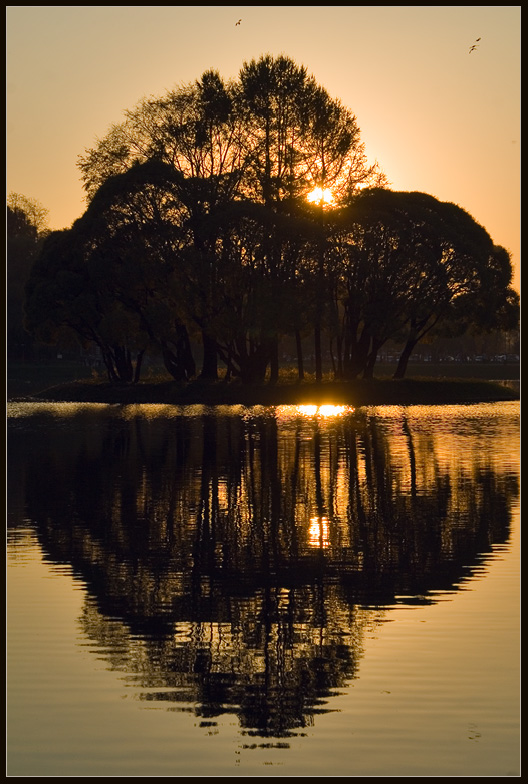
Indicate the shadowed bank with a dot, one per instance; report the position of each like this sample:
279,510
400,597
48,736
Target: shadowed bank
361,392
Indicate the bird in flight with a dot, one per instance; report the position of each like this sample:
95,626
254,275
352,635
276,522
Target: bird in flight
237,23
474,46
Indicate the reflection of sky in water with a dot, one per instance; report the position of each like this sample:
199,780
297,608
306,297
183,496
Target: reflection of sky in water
23,409
157,410
419,413
190,561
450,436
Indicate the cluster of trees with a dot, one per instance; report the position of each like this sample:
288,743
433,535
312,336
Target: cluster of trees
208,220
26,229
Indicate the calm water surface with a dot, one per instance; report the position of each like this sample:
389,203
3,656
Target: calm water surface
296,591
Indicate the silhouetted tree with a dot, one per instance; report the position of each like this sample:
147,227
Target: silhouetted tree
196,133
26,229
198,225
266,138
137,232
65,291
464,278
373,244
298,139
403,263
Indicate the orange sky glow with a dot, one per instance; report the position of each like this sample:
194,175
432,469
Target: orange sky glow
437,117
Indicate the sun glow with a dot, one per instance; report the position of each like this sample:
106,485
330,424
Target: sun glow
319,532
308,411
320,195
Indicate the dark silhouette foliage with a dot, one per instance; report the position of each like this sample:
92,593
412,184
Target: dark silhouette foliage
199,230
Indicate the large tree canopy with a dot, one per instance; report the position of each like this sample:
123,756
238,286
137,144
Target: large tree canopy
199,225
272,134
402,263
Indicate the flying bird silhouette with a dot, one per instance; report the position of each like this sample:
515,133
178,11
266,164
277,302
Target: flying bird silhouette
237,23
474,46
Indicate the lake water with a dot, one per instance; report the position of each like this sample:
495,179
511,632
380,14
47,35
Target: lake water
290,591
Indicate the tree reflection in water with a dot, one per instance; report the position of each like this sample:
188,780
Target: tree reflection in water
235,558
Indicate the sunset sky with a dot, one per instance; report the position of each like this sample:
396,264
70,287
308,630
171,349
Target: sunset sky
437,118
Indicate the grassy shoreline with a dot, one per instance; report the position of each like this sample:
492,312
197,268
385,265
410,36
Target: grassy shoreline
360,392
64,381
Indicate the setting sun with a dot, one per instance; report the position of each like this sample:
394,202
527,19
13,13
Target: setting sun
320,195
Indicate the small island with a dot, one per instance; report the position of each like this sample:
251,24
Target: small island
240,238
360,392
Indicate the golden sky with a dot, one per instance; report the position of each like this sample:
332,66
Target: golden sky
436,118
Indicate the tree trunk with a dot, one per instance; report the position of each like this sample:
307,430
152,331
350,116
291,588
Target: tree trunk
274,360
184,351
371,359
118,364
210,358
358,351
123,364
137,370
300,364
109,365
318,359
179,362
339,369
404,357
172,363
332,358
253,369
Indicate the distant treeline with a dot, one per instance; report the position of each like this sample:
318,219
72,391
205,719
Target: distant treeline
237,213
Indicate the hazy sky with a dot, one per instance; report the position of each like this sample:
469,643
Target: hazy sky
436,118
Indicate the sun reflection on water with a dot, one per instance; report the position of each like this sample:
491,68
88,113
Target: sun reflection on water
323,411
319,532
